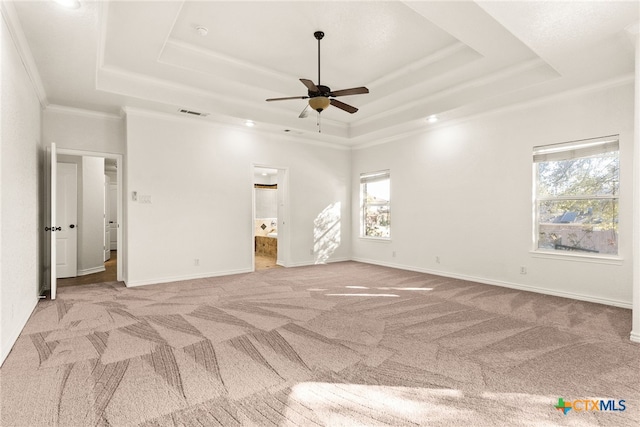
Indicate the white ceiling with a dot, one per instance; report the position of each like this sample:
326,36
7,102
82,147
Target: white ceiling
450,58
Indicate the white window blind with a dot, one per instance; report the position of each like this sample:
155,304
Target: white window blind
575,149
374,176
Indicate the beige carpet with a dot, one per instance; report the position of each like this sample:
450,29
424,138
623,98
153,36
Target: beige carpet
343,344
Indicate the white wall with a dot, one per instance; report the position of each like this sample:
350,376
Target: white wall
462,192
82,130
20,186
199,177
90,217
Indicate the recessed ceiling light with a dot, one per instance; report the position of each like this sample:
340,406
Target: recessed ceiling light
264,174
202,31
249,123
432,118
69,4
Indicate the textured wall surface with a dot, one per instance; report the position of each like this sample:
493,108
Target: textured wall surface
20,193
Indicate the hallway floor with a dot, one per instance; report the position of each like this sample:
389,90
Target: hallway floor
263,262
109,275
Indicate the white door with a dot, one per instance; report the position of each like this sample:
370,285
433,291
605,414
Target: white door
107,218
66,220
113,214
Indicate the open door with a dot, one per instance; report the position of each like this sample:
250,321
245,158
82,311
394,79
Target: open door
66,232
107,220
51,229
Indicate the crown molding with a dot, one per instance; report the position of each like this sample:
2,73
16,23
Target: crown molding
622,80
196,50
12,21
422,127
82,112
220,122
490,78
437,56
180,95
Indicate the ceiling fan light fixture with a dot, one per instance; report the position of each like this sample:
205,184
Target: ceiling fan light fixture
319,103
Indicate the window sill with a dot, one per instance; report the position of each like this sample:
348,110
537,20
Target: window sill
376,239
596,259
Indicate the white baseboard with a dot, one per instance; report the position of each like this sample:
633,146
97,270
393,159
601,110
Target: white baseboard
312,262
8,344
90,271
528,288
134,283
634,336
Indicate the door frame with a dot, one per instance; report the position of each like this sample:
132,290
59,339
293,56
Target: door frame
120,208
284,231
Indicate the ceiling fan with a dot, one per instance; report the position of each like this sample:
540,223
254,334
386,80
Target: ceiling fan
319,96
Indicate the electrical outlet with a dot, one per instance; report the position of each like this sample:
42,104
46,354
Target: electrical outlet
393,254
311,252
437,260
196,262
523,270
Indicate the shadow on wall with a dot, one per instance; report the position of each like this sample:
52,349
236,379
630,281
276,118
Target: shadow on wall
326,233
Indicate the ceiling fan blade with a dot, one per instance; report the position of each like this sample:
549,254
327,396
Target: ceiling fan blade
341,105
310,85
304,113
352,91
289,97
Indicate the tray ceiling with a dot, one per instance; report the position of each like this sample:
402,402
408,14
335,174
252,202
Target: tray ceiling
417,58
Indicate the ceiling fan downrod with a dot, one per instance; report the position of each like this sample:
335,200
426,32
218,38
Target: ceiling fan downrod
318,35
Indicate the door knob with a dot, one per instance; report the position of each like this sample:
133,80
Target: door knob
72,226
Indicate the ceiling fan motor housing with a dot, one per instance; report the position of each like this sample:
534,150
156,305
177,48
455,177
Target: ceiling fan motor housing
322,91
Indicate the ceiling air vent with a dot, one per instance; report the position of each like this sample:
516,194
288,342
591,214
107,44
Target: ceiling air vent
193,113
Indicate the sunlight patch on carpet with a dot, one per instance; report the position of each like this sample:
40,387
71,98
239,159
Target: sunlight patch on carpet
358,404
362,295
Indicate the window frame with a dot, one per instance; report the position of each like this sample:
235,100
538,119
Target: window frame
565,151
367,177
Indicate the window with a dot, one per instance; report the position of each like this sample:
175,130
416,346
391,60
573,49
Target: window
375,217
576,196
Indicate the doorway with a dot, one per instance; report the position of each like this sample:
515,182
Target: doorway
95,228
97,260
268,220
